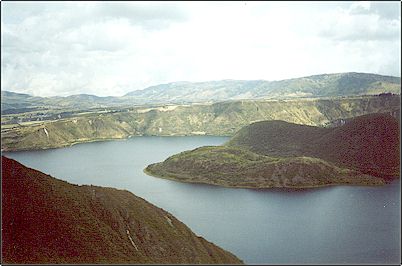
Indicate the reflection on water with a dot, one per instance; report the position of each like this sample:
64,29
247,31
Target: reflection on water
337,224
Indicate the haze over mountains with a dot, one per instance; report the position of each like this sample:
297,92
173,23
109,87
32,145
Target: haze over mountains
325,85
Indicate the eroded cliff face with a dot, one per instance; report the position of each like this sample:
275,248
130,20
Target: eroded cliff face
45,220
224,118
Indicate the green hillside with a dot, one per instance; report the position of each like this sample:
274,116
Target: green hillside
49,221
220,119
236,167
364,151
367,143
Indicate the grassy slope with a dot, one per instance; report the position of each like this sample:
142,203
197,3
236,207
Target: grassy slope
235,167
217,119
280,154
367,143
45,220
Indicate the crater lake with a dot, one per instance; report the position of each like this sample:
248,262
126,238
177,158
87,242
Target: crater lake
338,224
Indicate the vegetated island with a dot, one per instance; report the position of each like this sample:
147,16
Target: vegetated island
47,221
277,154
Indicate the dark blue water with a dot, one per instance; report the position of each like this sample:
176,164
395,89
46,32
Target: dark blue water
328,225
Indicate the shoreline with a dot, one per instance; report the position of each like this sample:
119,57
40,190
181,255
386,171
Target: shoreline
252,187
60,146
104,139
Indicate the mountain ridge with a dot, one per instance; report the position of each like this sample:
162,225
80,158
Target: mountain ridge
218,119
320,85
337,84
58,222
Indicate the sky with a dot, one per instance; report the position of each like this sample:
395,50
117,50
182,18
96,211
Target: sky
112,48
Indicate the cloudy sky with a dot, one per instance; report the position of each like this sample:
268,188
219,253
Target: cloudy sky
111,48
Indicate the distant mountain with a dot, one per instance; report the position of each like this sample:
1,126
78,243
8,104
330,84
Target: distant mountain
325,85
364,151
185,92
19,101
48,221
13,103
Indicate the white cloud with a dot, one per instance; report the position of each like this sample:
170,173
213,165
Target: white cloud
360,23
108,48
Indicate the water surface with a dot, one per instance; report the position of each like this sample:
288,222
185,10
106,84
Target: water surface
335,225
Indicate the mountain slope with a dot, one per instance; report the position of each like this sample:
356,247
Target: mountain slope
364,151
45,220
368,143
325,85
224,118
14,103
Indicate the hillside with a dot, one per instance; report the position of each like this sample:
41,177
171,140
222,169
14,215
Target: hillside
46,221
317,86
236,167
364,151
16,103
325,85
223,119
367,143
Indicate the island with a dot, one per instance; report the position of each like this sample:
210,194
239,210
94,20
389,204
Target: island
278,154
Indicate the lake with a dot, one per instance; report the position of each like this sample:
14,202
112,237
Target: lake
339,224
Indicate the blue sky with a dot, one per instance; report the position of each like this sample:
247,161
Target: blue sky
111,48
